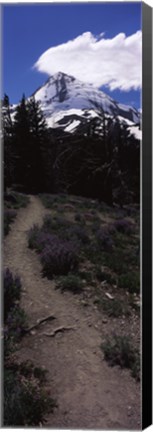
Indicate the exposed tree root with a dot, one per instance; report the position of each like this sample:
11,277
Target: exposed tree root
40,321
57,330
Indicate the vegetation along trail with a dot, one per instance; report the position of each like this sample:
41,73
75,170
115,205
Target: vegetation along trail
89,393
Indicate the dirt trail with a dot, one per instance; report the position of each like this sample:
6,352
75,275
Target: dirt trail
89,393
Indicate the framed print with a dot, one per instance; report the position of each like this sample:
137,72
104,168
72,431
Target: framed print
76,133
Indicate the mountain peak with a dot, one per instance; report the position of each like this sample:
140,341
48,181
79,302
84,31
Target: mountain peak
63,98
59,75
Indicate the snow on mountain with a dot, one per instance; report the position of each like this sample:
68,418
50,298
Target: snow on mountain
66,102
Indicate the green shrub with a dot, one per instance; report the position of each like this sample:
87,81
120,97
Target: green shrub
33,236
124,226
16,322
78,234
16,200
25,402
71,282
59,257
103,275
80,218
9,216
14,316
130,281
113,308
118,350
93,253
87,276
104,240
12,291
49,201
56,224
14,328
135,367
114,261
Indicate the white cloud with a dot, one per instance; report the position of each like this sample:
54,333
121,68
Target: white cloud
113,62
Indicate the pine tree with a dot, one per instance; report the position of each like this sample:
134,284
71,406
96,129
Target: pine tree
22,142
38,126
8,149
30,136
39,143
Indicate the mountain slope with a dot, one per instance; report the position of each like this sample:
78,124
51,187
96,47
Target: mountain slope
67,102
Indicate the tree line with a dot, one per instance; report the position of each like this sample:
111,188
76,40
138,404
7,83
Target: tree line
103,165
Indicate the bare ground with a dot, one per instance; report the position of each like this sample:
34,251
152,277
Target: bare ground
89,393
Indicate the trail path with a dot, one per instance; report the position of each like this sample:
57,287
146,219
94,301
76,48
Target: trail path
89,393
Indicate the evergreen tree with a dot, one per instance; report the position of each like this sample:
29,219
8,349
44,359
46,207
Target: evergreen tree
22,142
8,149
30,137
38,126
39,144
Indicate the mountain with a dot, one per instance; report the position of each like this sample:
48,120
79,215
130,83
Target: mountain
68,103
96,157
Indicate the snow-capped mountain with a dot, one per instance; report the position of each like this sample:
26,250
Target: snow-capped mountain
69,103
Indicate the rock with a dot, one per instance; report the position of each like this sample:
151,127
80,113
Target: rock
79,352
109,296
129,411
68,207
84,303
88,216
104,321
137,303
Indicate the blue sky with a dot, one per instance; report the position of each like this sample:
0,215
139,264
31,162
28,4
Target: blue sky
30,30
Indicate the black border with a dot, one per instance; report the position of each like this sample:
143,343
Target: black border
147,217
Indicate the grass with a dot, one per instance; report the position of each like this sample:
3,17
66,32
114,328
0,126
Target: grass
130,281
118,350
113,308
